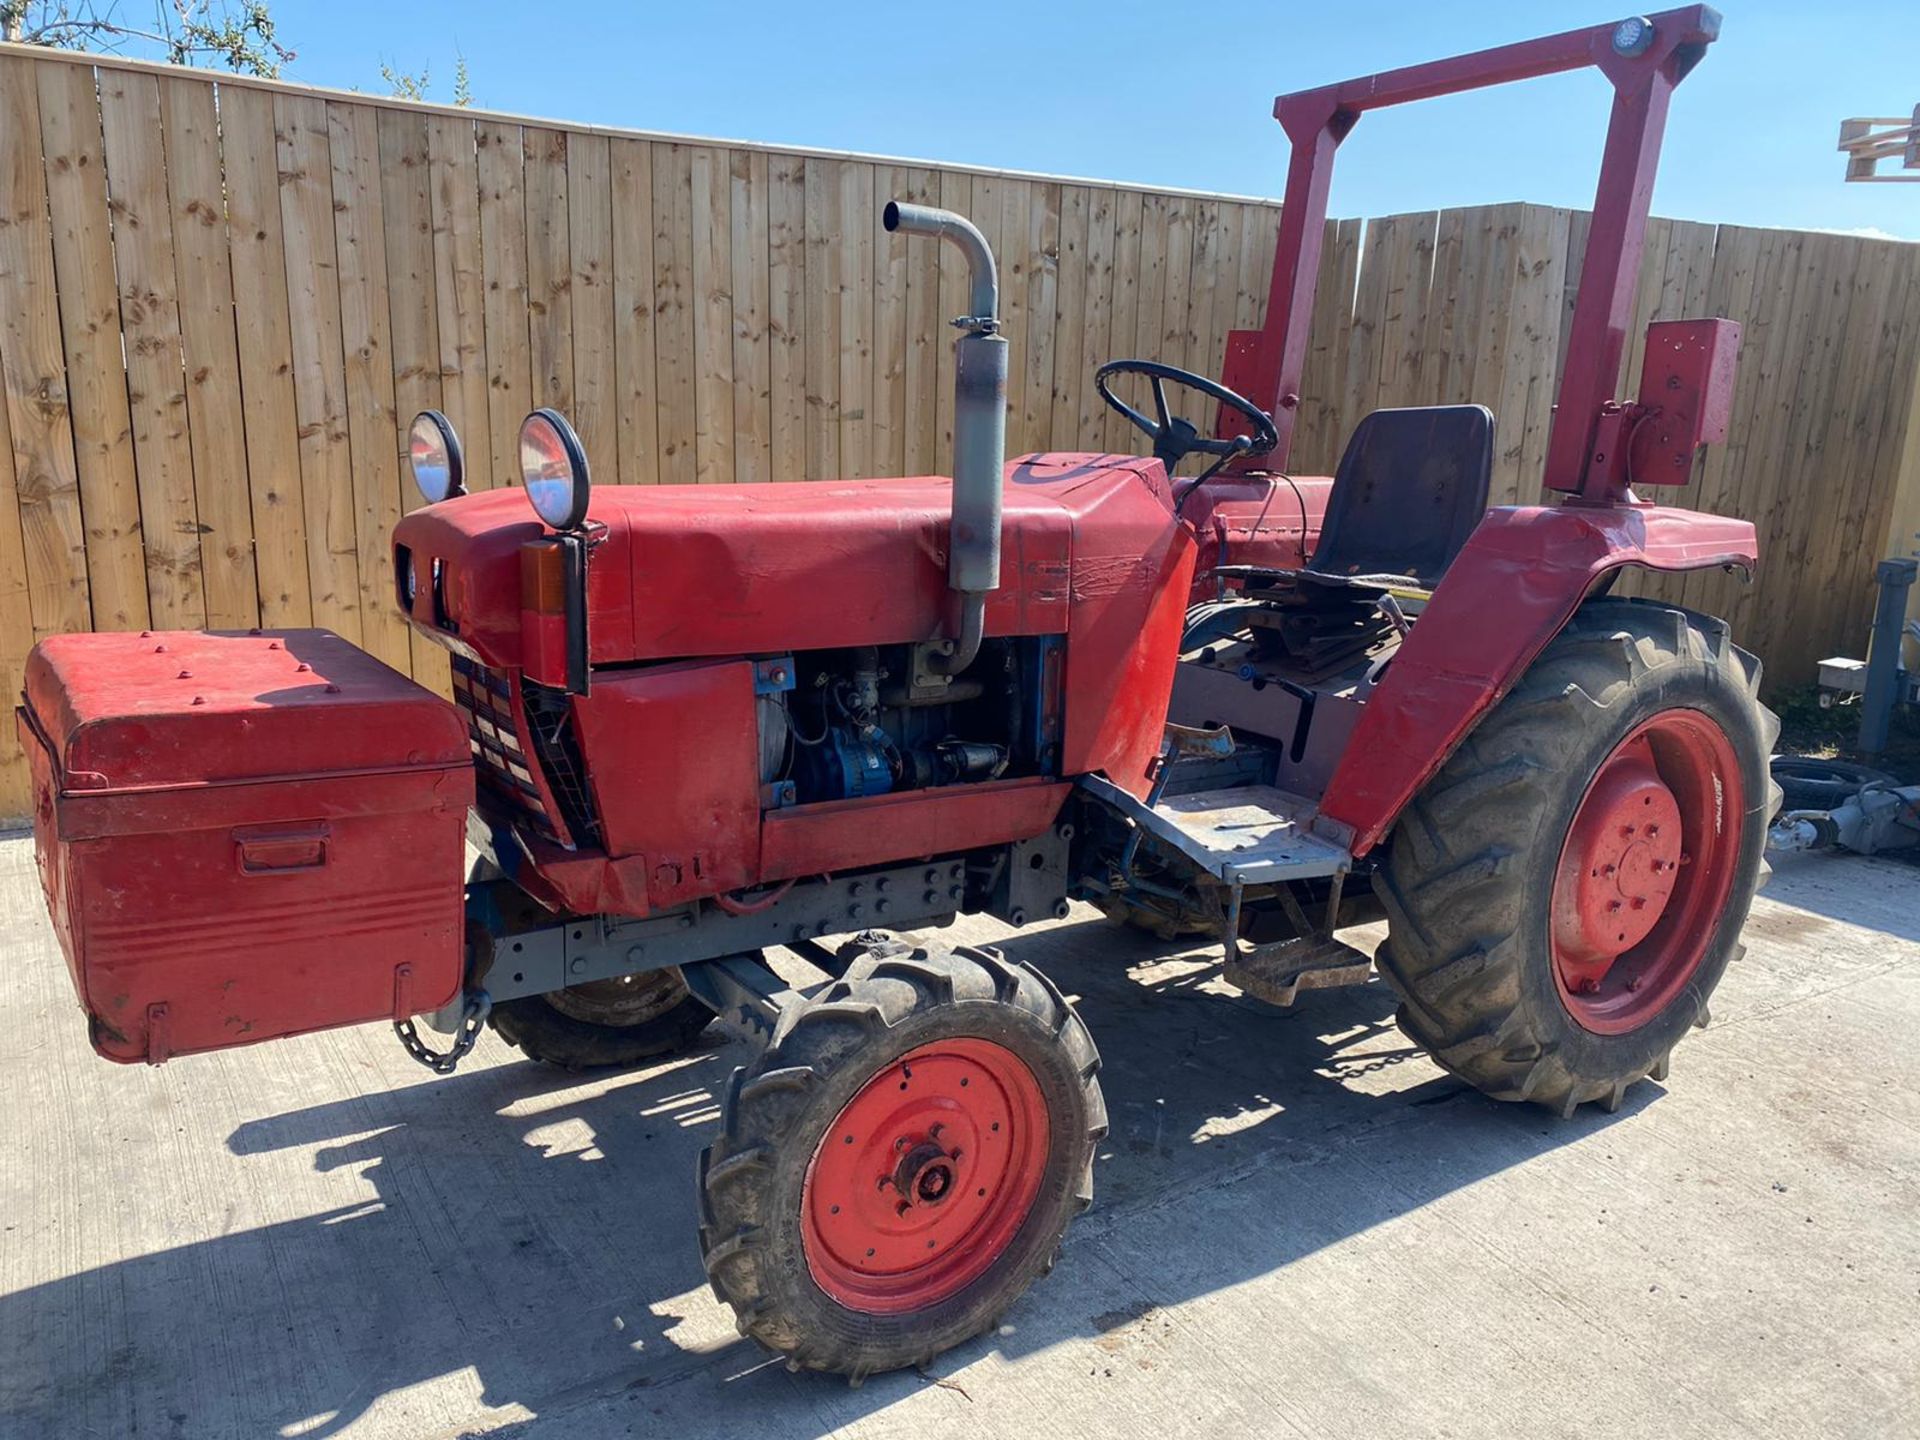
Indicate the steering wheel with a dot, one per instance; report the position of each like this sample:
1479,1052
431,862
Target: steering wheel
1175,438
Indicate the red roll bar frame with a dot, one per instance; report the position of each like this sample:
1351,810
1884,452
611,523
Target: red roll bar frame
1644,57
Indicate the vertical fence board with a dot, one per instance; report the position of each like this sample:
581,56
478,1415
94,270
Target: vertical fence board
852,253
216,431
820,319
264,352
1176,332
590,301
406,211
1042,303
1069,376
711,250
366,341
676,374
549,269
636,385
752,346
503,257
46,483
926,336
90,329
1087,421
156,384
1129,217
319,382
787,290
892,265
16,622
459,295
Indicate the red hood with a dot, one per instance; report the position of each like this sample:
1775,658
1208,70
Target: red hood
766,567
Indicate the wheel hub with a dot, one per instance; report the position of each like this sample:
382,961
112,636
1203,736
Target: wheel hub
925,1177
1622,858
1645,871
925,1174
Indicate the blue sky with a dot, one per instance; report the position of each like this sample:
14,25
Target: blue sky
1170,94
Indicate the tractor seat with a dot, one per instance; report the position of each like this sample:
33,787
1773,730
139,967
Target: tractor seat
1409,490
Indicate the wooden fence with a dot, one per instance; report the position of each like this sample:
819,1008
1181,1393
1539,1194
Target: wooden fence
220,301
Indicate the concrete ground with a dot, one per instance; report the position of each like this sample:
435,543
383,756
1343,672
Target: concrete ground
1302,1227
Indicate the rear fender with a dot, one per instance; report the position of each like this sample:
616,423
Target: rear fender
1512,588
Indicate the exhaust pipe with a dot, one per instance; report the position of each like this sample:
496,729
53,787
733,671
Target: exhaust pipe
979,425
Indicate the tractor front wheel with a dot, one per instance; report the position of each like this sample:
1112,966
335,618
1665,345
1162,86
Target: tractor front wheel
621,1021
902,1160
1565,894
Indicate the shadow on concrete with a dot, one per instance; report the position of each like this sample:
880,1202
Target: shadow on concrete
537,1229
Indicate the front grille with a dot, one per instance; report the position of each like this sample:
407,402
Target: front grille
550,717
502,747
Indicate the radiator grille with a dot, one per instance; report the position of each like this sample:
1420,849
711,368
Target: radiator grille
550,718
503,748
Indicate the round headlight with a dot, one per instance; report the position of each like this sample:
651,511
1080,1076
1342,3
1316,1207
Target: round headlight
553,467
433,451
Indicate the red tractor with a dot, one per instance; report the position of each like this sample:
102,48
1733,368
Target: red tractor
694,723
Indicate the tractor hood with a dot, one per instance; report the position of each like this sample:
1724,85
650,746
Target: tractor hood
699,570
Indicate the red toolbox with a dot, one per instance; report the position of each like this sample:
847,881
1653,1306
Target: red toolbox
244,836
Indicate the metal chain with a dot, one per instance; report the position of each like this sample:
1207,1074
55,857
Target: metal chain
473,1019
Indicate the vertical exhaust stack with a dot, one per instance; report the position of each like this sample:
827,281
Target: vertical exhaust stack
979,424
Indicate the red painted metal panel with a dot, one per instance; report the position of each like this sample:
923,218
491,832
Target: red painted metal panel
1130,605
1264,520
1686,397
180,707
1510,591
846,834
261,863
671,752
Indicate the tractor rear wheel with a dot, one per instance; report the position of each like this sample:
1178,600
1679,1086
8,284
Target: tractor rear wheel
902,1161
1565,894
621,1021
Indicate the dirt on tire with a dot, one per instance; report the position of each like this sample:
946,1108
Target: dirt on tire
753,1177
1471,864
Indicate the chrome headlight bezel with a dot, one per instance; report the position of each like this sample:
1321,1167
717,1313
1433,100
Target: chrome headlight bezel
553,469
435,458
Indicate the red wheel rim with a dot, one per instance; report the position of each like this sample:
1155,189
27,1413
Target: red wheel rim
924,1177
1646,871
